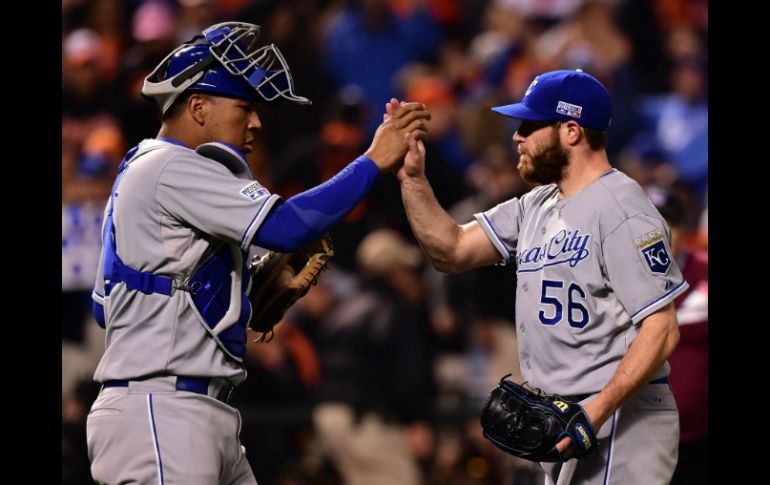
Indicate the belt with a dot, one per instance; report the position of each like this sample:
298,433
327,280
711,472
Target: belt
580,397
198,385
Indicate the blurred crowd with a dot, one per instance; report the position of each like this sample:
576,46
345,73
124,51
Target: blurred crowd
385,357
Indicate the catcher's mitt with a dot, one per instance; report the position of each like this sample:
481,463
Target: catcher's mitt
280,279
529,424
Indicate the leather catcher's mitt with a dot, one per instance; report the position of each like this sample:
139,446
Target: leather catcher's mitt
529,424
280,279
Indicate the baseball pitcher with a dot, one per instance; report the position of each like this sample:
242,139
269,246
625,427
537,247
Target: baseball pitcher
594,296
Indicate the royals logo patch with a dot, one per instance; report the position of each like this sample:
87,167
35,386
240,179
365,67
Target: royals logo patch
654,251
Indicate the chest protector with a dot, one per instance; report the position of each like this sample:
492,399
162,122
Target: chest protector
218,288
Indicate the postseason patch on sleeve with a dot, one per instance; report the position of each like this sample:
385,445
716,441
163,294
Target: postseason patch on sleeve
253,191
654,251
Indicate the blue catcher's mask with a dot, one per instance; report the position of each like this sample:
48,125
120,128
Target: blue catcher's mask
223,60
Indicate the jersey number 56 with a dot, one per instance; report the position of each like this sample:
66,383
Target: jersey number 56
577,314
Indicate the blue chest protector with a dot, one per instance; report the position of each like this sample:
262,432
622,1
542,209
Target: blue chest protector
219,294
218,289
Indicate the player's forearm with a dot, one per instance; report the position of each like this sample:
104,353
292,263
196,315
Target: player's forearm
435,230
655,342
306,216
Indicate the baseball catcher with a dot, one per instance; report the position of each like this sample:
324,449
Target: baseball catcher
528,424
280,279
174,281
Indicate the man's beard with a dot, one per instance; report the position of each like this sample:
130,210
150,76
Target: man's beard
547,167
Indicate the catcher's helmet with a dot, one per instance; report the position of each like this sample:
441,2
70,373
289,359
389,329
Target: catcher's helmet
223,60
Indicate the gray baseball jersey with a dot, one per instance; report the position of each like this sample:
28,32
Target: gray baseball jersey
171,208
590,267
172,205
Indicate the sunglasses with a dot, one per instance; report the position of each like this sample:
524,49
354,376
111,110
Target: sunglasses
528,127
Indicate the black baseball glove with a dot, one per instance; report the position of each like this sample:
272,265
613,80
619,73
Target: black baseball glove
528,424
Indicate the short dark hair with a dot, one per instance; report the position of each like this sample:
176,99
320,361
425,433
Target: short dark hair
178,106
597,139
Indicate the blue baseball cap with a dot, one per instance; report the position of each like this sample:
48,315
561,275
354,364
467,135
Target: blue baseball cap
565,96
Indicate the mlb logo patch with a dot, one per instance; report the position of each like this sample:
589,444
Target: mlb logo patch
572,110
654,251
253,191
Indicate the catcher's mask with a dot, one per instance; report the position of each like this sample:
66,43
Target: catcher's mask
225,60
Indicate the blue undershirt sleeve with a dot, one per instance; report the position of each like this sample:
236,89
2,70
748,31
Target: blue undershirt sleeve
307,216
98,310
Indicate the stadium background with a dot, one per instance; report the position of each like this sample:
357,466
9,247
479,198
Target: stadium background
460,57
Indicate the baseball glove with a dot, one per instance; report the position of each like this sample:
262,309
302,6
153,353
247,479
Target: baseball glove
280,279
528,424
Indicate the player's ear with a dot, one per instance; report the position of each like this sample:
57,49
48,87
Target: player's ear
198,107
574,132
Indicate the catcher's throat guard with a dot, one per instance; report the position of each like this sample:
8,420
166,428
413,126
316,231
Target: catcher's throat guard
529,424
